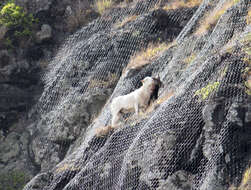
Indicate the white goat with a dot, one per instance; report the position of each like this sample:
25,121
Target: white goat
134,100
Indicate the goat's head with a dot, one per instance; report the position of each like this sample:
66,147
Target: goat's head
147,81
158,82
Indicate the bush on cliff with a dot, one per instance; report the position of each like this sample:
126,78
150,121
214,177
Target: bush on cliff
16,19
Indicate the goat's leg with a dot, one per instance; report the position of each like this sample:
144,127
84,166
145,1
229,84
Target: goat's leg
136,107
144,107
115,119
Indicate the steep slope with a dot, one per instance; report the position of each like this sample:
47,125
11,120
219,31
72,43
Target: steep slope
30,32
196,135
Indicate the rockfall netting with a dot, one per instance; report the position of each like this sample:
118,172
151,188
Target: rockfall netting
196,135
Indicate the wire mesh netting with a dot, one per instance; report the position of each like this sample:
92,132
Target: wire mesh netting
196,135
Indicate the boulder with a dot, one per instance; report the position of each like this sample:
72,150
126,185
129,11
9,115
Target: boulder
3,30
180,180
9,148
38,182
36,6
45,33
5,59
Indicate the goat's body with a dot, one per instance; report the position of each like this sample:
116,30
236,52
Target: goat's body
134,100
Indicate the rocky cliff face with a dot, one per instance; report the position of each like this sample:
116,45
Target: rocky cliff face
23,61
196,135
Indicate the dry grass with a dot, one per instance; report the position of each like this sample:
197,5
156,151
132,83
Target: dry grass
182,4
190,58
146,56
230,45
212,18
102,5
125,21
247,76
156,6
246,42
101,132
223,72
97,83
247,176
246,180
166,96
249,16
68,167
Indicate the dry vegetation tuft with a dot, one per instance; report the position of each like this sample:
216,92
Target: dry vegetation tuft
190,58
182,4
98,83
246,49
101,132
77,15
246,180
246,42
67,167
102,5
146,56
212,18
165,97
230,45
247,75
249,16
125,21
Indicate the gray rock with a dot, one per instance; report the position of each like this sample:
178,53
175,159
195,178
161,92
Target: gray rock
213,180
180,180
46,155
9,148
5,59
16,81
68,11
248,114
1,136
165,144
39,5
3,30
38,182
45,33
153,150
13,153
212,115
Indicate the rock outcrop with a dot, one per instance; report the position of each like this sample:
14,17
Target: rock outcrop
23,61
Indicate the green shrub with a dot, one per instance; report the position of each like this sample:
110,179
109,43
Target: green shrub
205,92
8,42
102,5
16,19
